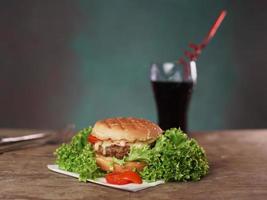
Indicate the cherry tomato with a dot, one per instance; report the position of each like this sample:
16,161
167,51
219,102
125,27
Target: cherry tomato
123,178
92,139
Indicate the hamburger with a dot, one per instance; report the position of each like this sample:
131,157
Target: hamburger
113,138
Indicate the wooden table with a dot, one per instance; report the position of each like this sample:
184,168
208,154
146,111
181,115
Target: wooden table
238,170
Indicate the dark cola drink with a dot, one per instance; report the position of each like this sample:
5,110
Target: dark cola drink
172,101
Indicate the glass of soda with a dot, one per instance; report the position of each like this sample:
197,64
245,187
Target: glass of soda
172,85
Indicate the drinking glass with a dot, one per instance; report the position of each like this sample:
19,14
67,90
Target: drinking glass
172,85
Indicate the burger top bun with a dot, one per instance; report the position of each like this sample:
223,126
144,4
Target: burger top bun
126,128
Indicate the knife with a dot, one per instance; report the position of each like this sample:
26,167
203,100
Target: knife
36,139
15,143
9,140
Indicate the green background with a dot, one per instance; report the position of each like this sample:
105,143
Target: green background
77,62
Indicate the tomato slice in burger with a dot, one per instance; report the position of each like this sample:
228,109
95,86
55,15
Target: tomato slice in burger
123,178
92,139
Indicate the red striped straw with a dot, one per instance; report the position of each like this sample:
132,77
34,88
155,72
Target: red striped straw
193,56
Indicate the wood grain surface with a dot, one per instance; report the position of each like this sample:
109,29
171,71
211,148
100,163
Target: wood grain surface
238,170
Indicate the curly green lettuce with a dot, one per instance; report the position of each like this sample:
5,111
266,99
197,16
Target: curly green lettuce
175,157
78,156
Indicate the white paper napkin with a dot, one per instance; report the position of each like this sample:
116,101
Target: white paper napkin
102,181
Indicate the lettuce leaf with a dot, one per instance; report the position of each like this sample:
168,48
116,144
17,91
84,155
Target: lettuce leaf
175,157
78,156
143,153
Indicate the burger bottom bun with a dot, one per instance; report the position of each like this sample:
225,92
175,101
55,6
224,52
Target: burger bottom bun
107,164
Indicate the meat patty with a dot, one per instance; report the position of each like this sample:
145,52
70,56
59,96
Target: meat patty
115,150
